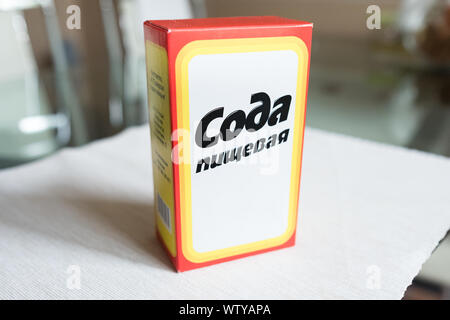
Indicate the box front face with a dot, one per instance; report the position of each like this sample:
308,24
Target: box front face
243,102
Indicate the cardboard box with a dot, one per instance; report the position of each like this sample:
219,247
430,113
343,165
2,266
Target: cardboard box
227,102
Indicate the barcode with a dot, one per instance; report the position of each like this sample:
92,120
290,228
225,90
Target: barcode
164,213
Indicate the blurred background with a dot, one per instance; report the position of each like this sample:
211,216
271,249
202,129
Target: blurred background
73,71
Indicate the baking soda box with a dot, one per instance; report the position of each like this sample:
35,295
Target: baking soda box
227,102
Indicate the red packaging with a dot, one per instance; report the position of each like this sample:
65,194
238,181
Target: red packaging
227,103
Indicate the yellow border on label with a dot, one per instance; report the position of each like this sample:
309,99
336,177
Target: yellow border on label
205,47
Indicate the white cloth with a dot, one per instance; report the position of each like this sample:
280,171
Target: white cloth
370,215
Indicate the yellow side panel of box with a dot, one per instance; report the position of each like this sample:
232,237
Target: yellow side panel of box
159,113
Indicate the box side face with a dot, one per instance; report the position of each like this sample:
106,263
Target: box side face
161,131
242,97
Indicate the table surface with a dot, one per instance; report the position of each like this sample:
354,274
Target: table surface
80,224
